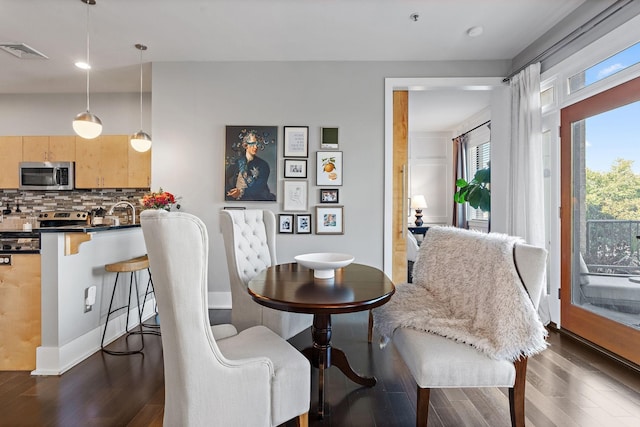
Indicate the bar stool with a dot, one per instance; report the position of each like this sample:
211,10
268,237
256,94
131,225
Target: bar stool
150,290
129,266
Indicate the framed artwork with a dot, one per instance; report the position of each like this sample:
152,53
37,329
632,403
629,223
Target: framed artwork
285,223
329,220
329,195
295,195
295,168
303,224
329,138
296,141
251,155
329,168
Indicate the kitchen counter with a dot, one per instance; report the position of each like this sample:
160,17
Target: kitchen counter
82,228
73,259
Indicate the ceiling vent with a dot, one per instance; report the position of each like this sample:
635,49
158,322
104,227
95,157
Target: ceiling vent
22,51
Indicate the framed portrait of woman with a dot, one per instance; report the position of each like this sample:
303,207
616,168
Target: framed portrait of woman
251,163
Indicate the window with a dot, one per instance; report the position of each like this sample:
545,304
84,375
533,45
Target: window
603,69
479,158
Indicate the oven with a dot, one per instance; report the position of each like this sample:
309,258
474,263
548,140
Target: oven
63,218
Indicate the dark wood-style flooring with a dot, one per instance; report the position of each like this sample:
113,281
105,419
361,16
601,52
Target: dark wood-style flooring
569,384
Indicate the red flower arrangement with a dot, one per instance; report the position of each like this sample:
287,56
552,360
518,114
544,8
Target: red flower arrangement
160,200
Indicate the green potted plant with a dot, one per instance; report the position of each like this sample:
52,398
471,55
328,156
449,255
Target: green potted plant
475,192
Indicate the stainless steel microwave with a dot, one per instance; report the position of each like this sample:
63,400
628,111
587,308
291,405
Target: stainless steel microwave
47,175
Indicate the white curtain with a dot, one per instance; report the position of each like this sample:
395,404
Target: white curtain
526,190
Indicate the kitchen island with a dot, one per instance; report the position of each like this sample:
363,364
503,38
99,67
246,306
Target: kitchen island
72,261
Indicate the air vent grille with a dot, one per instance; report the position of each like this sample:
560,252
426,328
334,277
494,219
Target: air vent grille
22,51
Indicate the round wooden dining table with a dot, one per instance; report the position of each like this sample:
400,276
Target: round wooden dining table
292,287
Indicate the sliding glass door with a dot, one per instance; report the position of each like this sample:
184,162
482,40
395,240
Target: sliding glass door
600,219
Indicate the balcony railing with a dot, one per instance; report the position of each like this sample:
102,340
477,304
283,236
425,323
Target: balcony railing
612,246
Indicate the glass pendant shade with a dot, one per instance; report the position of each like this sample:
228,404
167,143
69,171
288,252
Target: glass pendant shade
140,141
87,125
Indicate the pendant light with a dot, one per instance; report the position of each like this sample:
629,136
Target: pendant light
87,125
141,141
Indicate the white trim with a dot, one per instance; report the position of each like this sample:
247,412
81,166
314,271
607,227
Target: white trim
219,300
58,360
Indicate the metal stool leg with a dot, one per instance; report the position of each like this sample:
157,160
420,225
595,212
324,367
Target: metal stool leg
144,301
125,352
140,330
106,323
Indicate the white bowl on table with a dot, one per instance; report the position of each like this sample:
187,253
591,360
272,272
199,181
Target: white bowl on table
324,264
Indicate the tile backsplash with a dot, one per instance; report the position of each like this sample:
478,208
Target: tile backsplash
27,203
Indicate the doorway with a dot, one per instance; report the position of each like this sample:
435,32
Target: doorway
500,111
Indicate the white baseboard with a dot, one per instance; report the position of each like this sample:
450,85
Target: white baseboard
58,360
219,300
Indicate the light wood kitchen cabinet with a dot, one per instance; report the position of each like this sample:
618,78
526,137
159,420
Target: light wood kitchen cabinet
102,162
10,158
20,305
139,168
48,148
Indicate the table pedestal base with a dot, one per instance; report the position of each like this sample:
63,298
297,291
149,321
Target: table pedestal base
322,356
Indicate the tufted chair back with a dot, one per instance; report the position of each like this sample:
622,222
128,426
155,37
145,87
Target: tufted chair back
254,236
250,244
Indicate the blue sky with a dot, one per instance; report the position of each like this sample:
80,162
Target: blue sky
612,135
616,133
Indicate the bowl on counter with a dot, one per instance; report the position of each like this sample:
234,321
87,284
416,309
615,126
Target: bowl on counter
324,264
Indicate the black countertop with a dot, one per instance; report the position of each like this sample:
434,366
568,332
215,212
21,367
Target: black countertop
84,228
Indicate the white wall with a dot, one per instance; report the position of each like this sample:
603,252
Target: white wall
431,174
52,114
500,152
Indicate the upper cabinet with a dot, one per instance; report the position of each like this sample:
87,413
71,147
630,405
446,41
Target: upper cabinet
48,148
102,162
139,168
105,162
11,149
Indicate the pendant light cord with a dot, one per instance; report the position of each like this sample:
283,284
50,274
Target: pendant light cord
88,62
141,49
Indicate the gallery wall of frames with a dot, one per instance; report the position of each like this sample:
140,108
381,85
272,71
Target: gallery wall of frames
251,174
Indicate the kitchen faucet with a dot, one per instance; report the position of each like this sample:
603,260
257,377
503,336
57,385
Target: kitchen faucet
124,202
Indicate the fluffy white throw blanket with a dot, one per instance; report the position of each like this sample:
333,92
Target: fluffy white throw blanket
466,288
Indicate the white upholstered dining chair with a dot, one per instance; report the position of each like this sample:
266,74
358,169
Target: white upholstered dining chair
214,375
250,244
436,362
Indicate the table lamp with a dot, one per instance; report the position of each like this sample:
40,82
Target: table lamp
418,203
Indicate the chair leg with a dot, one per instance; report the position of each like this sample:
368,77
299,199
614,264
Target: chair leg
302,420
516,393
423,407
370,334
